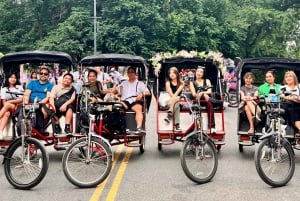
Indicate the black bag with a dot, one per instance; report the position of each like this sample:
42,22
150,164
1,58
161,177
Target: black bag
63,98
115,122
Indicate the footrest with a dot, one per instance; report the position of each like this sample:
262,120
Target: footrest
166,141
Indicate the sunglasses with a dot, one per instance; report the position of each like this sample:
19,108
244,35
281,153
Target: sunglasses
46,74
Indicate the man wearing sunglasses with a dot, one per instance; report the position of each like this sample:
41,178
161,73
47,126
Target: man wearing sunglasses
39,89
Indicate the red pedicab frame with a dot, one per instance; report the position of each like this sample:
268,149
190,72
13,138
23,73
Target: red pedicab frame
213,73
116,61
259,66
11,63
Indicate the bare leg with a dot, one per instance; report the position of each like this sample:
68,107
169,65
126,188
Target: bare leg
4,120
138,114
249,116
6,107
69,116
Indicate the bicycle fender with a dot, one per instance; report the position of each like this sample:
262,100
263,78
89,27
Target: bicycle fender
267,136
105,141
191,134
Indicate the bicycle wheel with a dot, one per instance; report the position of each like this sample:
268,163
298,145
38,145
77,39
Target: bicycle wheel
275,164
25,167
199,159
87,170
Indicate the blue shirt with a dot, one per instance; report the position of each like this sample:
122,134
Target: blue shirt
38,90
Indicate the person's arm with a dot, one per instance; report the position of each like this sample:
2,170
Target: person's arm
193,90
168,89
208,84
179,89
27,96
46,99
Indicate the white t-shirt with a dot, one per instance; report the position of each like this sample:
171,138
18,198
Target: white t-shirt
8,96
131,89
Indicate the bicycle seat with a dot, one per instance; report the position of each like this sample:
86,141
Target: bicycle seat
97,108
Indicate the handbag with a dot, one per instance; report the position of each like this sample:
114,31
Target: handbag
164,97
63,98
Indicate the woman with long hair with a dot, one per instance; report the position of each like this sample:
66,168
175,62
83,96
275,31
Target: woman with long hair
9,101
291,91
204,94
174,86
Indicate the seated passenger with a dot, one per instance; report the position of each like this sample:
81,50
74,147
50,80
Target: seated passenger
39,89
174,87
269,88
249,94
132,94
9,101
291,91
204,94
95,86
62,97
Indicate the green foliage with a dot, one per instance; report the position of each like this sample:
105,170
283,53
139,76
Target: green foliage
245,28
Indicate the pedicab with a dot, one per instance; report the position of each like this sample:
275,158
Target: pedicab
24,62
29,140
116,65
187,63
259,66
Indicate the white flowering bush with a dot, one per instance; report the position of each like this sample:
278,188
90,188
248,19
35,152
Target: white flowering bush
216,57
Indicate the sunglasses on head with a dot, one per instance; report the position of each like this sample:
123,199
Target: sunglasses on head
46,74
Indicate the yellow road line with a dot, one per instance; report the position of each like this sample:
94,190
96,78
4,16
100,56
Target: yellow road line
98,191
118,178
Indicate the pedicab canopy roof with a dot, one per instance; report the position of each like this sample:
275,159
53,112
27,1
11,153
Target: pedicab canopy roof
36,56
183,60
112,60
259,66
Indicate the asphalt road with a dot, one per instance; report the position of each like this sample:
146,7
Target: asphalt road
158,176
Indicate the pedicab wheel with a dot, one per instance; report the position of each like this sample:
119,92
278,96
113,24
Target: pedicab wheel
199,159
159,146
142,141
241,148
219,148
95,162
26,166
275,163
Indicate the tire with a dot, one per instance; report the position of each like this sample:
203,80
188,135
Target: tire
273,170
29,172
159,146
199,169
84,171
142,141
241,148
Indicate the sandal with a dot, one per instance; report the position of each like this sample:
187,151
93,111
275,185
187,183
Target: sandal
251,131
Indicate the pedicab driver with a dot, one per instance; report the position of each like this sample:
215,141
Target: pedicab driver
132,94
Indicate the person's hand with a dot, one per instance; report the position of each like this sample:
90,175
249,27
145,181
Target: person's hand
139,97
63,108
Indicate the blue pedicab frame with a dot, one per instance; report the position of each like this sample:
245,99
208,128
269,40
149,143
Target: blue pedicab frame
213,73
259,66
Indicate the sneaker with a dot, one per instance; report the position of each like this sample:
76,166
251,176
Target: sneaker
139,131
177,128
57,128
168,118
67,128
